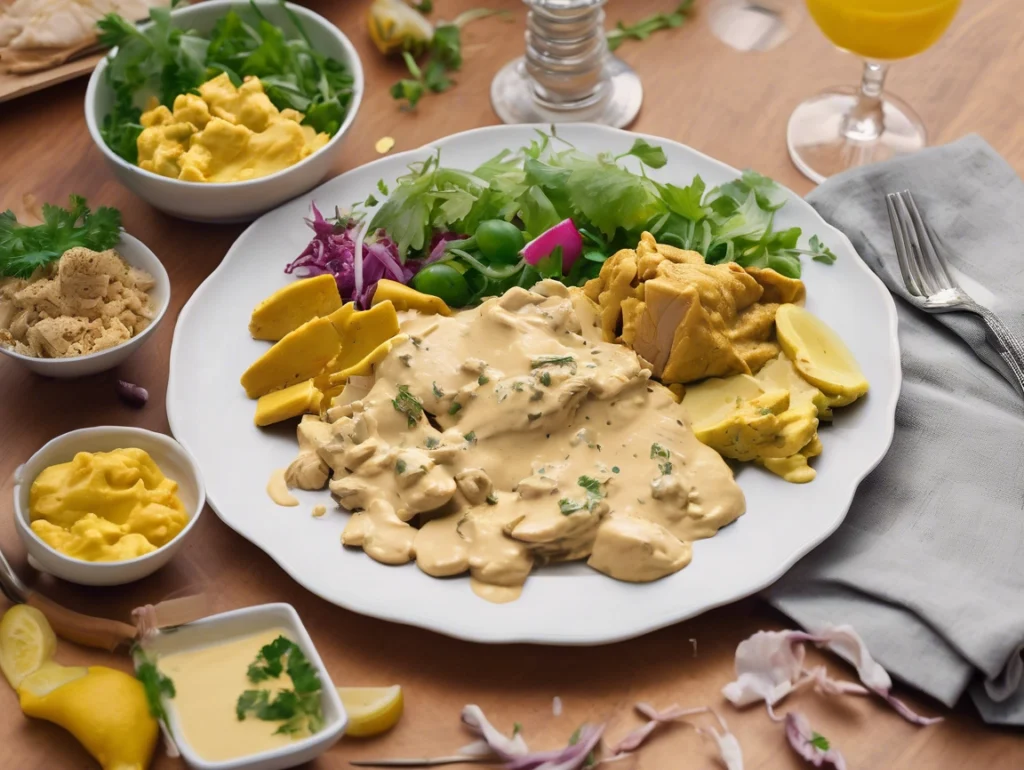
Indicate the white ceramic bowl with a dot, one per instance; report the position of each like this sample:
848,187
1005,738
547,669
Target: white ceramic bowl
136,254
231,201
240,623
168,454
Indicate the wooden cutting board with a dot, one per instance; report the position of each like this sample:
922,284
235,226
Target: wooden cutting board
13,86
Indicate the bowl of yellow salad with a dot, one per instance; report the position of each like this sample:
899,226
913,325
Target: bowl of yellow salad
107,505
220,111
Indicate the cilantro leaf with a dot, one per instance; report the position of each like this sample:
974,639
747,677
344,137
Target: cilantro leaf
820,252
156,685
644,28
299,708
648,154
23,248
819,741
406,403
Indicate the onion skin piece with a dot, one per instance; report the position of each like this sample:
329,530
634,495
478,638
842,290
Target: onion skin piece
563,234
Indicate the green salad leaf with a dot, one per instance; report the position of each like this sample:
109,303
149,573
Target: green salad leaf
610,203
161,61
24,248
155,684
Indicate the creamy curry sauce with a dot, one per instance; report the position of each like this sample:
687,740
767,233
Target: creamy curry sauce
511,435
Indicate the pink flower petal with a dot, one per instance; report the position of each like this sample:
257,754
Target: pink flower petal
801,737
728,747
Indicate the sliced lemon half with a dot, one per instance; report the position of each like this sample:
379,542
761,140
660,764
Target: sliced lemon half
26,642
819,354
371,710
50,676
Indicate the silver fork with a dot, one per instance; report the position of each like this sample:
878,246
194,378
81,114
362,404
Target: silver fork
932,287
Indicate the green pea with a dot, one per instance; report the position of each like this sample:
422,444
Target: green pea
499,241
443,281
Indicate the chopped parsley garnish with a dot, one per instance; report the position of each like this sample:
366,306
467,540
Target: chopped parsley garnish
492,499
156,685
536,395
567,506
455,408
516,729
470,437
518,386
765,410
615,469
819,741
594,493
482,379
533,416
406,403
657,450
545,379
537,363
438,393
665,468
400,467
432,442
299,708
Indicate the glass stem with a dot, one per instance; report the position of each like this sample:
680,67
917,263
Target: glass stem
865,121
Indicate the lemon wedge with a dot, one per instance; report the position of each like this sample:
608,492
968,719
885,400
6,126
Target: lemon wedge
819,354
26,642
49,676
371,710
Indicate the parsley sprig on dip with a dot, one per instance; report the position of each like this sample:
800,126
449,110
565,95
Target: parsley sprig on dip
161,60
24,248
298,707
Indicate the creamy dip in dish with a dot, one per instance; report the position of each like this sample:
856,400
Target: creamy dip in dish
509,436
207,683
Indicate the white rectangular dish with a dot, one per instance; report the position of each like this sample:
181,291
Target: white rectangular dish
240,623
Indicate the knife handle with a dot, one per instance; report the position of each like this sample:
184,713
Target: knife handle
102,633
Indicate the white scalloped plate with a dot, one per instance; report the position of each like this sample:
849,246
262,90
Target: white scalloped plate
564,604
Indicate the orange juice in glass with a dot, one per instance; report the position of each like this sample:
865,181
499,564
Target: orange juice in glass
846,127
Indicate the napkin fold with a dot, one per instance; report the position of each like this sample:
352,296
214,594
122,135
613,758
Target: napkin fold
928,565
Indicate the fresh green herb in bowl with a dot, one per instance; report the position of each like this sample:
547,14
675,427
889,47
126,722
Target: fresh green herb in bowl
161,60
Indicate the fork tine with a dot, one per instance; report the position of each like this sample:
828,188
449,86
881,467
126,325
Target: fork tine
925,263
914,258
928,244
901,247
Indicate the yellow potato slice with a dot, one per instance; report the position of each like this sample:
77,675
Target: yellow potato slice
818,353
299,355
290,402
407,298
287,309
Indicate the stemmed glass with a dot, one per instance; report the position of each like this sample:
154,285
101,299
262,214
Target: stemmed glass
567,74
846,127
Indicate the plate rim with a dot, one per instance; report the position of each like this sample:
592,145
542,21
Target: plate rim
468,632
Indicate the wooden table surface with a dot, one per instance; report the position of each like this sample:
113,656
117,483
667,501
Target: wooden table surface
730,105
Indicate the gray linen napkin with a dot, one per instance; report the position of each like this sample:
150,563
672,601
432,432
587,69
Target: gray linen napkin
929,564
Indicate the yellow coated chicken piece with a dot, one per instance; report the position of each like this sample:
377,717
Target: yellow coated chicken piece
688,319
224,134
287,309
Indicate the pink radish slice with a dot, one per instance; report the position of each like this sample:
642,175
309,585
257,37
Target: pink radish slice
563,234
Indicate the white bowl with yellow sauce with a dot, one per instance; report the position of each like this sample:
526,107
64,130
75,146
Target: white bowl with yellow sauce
173,461
138,255
207,661
242,200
